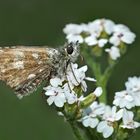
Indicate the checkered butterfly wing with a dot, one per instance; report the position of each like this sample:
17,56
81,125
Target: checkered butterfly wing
24,68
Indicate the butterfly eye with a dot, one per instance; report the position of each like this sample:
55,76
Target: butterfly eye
70,49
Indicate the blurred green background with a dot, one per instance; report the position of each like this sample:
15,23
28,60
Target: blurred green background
40,22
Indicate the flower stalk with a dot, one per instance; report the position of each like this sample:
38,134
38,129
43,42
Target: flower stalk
76,131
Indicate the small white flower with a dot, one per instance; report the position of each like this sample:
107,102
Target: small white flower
128,121
106,128
111,115
56,96
74,38
90,120
97,109
133,84
55,93
76,76
114,52
99,25
133,88
94,28
71,96
73,29
122,34
131,96
92,41
126,37
123,99
120,28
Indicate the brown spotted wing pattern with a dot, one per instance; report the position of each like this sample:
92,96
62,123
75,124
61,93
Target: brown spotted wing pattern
24,68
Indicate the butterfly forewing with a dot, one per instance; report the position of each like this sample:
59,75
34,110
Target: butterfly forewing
24,68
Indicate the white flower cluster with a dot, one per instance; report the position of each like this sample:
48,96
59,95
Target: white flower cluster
97,115
131,96
61,90
100,32
104,117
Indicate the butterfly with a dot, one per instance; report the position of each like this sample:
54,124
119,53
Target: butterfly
23,68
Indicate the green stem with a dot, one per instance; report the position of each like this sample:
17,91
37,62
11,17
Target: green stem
102,78
103,81
76,131
94,134
87,133
103,97
96,69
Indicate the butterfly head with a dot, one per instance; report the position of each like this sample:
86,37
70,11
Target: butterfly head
72,51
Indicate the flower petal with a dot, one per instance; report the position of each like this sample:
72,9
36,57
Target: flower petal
74,38
128,37
91,40
55,82
50,100
101,126
98,91
108,132
119,114
60,100
115,40
102,42
90,79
